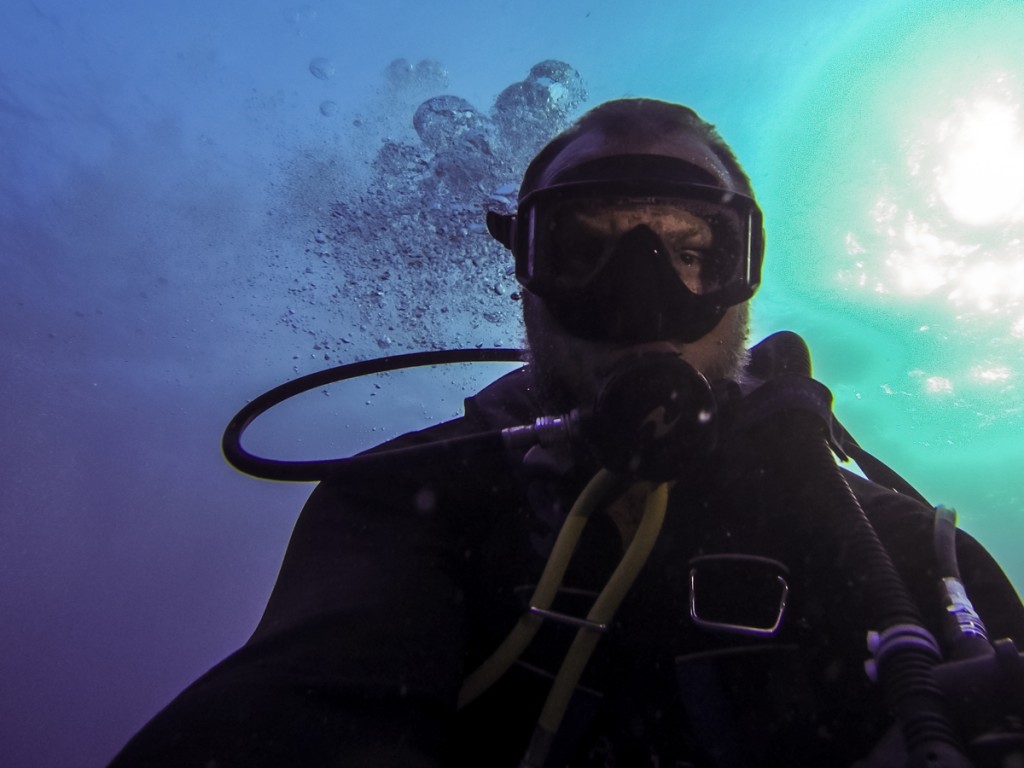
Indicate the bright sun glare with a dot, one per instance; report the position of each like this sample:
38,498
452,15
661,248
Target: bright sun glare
982,179
953,228
928,192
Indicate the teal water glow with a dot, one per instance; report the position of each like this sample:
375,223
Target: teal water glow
896,205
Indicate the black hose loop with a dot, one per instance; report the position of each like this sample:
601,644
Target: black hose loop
353,466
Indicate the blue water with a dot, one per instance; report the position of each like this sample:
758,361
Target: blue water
164,171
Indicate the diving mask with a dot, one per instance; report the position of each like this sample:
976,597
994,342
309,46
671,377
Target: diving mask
636,259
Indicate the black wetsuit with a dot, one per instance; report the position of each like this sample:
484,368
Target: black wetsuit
395,588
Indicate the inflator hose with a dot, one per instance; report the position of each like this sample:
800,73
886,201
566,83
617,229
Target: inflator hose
836,522
965,633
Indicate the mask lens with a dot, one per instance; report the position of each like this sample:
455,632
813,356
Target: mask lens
571,247
574,238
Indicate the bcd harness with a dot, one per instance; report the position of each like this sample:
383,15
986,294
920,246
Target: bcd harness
654,416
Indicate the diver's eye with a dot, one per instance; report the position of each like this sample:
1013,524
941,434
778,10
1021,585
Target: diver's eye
689,265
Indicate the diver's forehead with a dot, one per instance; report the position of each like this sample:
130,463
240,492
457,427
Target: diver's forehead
593,146
666,220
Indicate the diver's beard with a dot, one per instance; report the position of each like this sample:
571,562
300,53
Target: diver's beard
557,375
731,362
549,383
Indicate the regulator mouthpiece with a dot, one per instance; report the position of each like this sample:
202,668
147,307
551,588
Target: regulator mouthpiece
655,416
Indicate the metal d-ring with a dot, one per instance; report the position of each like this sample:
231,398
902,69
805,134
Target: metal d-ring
780,571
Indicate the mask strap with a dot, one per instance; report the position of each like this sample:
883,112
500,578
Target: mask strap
500,226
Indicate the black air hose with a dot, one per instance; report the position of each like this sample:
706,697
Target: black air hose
829,511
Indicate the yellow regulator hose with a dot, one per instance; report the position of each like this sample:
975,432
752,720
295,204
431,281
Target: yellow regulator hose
603,488
601,614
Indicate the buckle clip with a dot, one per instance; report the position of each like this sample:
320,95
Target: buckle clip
738,594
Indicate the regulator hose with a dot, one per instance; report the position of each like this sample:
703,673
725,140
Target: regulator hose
905,654
603,488
458,450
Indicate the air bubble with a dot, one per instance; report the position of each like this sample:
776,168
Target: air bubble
321,68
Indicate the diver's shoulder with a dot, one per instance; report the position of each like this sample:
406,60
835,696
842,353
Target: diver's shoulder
877,498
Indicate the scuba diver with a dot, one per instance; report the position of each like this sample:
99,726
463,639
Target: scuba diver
653,559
